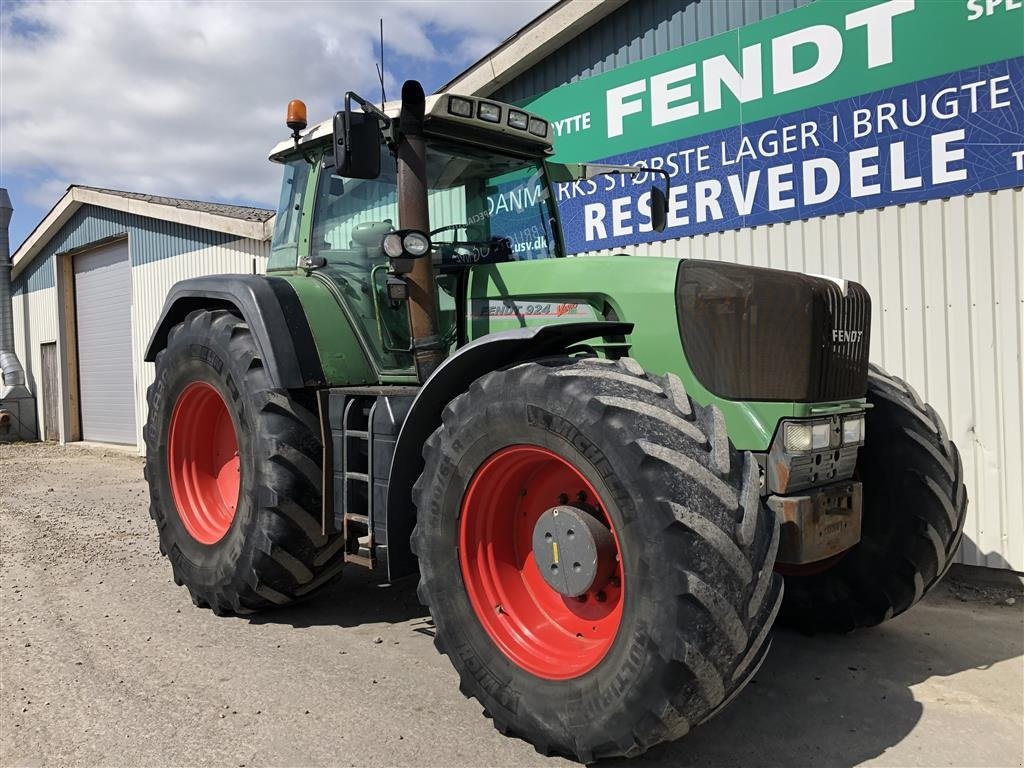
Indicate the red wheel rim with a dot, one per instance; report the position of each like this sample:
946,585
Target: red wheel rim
203,462
550,635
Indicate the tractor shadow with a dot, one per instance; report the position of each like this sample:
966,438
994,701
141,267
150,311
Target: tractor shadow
359,597
827,700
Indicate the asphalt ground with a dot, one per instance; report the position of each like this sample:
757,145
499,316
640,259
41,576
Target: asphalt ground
103,661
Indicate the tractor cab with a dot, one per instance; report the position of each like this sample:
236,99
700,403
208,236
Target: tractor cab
487,196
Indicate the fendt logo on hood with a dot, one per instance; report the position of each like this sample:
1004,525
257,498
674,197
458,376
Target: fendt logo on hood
843,336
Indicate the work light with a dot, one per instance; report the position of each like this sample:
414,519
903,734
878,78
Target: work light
489,112
538,127
460,107
518,119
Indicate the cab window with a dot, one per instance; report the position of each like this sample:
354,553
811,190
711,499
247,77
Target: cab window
284,247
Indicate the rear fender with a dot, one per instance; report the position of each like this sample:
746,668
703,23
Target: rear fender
270,308
450,379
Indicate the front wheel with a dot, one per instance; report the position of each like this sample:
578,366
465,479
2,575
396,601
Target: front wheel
594,554
233,467
914,505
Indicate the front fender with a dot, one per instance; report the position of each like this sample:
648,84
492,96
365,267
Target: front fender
271,309
450,379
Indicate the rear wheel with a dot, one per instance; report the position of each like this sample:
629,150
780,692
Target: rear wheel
234,475
914,505
594,554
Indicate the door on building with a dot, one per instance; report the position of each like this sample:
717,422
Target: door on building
103,314
51,374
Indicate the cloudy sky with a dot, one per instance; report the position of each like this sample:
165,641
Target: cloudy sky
186,98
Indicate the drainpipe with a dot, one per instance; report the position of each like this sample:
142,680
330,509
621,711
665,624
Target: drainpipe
13,372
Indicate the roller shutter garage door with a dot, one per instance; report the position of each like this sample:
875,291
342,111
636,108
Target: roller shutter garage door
103,311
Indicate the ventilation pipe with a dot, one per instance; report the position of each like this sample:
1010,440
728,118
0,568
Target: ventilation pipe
14,374
17,406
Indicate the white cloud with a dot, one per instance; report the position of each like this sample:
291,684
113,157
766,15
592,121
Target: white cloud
186,98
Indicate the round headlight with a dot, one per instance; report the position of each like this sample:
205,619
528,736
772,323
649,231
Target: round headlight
416,243
393,245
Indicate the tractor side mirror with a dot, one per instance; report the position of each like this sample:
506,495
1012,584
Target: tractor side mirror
659,209
357,138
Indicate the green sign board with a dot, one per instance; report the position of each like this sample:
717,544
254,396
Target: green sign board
835,107
820,53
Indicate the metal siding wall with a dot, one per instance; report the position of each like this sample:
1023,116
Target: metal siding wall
638,30
35,323
161,254
152,281
947,284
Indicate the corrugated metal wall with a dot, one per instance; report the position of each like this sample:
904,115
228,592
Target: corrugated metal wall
946,279
35,311
946,276
161,253
152,281
638,30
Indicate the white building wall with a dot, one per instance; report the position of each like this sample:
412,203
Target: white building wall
152,282
946,279
35,323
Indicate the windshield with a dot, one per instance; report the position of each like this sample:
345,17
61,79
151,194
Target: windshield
483,208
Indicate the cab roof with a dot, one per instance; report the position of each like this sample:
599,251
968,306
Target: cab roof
436,111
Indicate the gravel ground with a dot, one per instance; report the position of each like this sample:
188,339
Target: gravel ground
103,661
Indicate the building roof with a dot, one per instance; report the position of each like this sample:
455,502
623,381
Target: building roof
242,212
241,221
533,43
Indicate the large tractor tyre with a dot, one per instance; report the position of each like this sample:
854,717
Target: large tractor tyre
914,504
594,554
234,475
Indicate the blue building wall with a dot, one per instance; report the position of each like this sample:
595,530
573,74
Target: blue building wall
637,30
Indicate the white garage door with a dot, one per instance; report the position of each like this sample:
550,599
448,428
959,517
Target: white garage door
106,380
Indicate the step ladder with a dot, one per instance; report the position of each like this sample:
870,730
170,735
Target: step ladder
357,481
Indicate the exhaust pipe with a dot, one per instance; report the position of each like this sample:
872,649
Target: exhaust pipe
414,214
10,366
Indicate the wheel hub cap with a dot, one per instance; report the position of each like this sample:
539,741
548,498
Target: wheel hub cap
573,550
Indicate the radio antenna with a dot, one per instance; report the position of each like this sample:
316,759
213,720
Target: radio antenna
380,67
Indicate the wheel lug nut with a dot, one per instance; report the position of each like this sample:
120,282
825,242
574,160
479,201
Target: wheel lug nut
614,581
563,498
600,596
582,598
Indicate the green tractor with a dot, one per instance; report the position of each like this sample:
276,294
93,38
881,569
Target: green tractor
603,470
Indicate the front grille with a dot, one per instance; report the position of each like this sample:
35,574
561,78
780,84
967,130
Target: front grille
844,365
765,334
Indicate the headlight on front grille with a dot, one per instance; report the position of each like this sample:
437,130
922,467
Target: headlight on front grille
853,429
797,437
804,436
